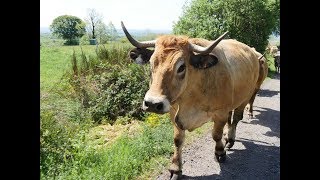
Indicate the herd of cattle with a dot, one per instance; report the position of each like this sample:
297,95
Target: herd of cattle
196,80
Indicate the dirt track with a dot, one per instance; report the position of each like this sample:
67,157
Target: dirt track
256,152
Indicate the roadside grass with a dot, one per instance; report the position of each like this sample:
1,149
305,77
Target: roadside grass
158,164
141,150
55,60
74,147
125,158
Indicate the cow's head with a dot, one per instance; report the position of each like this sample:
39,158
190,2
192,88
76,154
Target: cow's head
141,55
173,58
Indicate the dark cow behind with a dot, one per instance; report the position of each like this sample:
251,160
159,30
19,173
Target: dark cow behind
277,61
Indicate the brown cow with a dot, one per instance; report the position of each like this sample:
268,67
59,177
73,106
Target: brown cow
197,81
272,49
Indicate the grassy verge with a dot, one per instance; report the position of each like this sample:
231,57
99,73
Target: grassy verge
158,164
125,158
72,146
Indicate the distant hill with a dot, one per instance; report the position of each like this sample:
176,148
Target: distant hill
138,33
44,30
134,32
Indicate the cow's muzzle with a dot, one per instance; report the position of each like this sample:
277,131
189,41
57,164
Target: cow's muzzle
159,105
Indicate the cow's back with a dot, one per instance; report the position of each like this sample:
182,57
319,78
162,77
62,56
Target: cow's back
214,91
242,64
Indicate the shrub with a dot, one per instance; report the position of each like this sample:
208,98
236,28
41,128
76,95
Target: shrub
71,42
109,86
84,40
57,144
120,93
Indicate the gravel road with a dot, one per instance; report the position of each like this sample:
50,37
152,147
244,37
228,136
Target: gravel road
256,152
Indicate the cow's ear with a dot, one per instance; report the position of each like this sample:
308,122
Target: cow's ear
203,61
140,55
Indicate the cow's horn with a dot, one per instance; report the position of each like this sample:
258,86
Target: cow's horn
208,49
136,43
261,55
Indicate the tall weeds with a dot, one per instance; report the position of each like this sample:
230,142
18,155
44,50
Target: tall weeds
109,85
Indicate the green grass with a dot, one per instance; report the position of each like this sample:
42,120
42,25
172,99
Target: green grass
67,152
126,158
140,155
54,61
158,164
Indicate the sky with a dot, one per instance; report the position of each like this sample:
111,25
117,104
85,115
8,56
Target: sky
135,14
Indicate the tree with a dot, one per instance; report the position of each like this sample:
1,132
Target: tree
248,21
102,33
112,32
93,20
275,8
70,28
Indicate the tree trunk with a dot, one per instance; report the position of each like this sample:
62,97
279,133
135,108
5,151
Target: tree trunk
93,35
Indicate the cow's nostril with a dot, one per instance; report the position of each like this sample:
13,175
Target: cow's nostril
159,107
147,103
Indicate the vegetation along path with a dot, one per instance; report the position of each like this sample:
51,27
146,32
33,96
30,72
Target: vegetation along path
256,152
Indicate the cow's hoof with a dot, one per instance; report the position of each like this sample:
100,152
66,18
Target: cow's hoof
221,158
175,175
230,143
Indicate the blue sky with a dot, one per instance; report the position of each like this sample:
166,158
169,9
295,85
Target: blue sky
136,14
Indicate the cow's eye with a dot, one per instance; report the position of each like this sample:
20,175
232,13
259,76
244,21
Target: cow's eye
181,69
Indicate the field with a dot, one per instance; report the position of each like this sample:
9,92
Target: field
77,141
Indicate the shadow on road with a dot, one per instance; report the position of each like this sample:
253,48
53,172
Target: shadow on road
256,161
267,93
269,118
275,75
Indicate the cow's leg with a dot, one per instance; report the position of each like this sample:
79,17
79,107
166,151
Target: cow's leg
178,139
226,129
237,116
217,133
250,113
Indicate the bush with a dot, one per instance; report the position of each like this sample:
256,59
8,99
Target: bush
57,141
84,40
109,86
71,42
121,94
